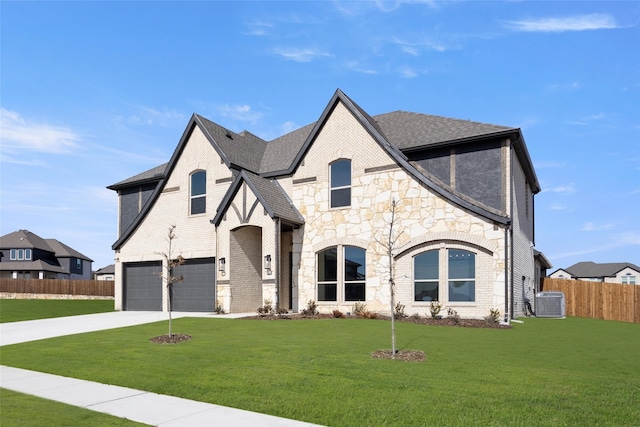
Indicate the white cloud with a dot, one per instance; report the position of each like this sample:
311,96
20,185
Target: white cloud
18,134
147,116
590,226
259,28
391,5
558,87
564,189
288,127
407,72
586,120
242,113
615,241
414,48
359,68
300,54
595,21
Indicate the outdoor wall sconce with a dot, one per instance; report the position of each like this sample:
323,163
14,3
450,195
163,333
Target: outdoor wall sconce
267,263
222,265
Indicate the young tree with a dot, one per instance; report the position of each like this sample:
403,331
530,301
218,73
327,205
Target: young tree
169,264
388,241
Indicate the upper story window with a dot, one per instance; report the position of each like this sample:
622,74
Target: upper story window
198,202
340,181
20,255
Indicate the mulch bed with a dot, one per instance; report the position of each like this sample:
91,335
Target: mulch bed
403,355
170,339
460,323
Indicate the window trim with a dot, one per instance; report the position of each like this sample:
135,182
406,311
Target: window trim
444,280
195,197
336,188
341,281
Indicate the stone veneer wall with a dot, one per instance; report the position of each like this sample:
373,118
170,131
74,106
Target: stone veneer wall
421,215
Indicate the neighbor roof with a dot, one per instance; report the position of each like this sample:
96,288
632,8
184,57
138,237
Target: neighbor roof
592,269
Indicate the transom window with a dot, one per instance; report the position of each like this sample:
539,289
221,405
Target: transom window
198,201
20,254
460,276
346,283
340,182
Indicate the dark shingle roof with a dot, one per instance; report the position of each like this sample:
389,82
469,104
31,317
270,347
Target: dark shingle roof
109,269
408,130
23,239
270,194
37,265
592,269
151,175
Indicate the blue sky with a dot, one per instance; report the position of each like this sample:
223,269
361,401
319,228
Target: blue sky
95,92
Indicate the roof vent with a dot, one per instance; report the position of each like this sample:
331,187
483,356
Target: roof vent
550,304
228,134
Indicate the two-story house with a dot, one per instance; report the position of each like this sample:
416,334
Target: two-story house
25,255
300,217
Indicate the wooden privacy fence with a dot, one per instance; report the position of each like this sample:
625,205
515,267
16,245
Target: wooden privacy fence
598,300
102,288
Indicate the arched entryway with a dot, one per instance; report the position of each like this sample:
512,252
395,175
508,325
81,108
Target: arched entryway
246,267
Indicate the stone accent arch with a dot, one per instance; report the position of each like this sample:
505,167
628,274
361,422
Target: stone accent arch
448,235
341,241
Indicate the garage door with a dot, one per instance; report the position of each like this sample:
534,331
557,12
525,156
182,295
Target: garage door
197,291
142,286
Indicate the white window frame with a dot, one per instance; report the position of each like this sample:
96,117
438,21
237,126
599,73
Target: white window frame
193,197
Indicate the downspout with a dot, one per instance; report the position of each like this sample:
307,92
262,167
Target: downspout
506,274
511,226
276,259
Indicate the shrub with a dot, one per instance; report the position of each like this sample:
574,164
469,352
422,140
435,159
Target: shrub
415,316
359,308
311,310
218,308
399,311
493,317
282,311
368,314
267,308
453,315
338,314
435,308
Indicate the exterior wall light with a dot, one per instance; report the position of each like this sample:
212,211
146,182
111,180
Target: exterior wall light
222,265
267,263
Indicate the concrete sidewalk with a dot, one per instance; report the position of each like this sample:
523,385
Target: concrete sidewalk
137,405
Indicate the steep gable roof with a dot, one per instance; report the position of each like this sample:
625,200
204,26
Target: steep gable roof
270,194
24,239
63,251
395,132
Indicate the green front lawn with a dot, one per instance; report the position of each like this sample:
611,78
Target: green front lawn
19,410
17,310
543,372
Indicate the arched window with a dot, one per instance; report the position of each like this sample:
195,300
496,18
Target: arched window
458,275
198,202
340,182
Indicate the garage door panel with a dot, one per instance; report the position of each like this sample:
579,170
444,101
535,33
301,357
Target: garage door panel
196,292
142,286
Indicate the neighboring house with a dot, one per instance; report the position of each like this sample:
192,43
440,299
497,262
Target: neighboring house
25,255
299,218
106,273
613,272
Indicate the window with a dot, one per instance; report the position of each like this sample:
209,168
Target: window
460,276
198,192
354,273
351,277
328,274
628,279
340,183
20,254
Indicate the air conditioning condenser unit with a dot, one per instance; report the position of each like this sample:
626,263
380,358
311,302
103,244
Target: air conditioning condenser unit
550,304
